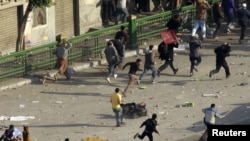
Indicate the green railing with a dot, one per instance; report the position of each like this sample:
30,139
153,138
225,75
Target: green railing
20,63
90,44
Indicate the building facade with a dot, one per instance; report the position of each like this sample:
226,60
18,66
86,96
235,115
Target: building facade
67,18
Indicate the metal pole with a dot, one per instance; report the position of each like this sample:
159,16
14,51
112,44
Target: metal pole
133,32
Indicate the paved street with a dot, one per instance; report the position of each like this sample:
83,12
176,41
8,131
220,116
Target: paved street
80,107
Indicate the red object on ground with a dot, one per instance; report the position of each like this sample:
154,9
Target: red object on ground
169,37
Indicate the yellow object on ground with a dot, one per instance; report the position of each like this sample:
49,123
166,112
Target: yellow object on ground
142,87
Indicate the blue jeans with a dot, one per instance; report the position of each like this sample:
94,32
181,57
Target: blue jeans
121,13
111,69
118,116
230,19
197,24
154,72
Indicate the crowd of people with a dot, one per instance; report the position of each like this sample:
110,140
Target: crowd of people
166,52
116,11
13,134
115,50
115,57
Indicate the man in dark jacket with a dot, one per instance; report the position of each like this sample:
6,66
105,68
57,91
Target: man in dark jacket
108,11
8,134
120,50
174,23
142,5
150,124
134,67
221,53
194,54
123,37
149,64
112,59
243,17
218,18
169,57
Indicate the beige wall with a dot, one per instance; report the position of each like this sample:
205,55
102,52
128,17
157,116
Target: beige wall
43,33
34,36
90,17
89,14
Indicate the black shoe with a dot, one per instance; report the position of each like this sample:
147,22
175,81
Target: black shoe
68,77
227,76
240,41
175,71
210,74
158,73
136,135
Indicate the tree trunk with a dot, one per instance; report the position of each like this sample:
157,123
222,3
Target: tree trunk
20,35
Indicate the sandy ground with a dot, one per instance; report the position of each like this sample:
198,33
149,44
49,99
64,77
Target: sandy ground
80,108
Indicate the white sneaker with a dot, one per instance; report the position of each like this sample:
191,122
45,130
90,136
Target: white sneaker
115,76
153,82
138,82
108,79
55,76
195,68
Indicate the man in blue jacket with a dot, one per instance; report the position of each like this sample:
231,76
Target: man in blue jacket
243,17
229,9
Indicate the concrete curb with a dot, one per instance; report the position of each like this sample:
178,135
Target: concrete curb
77,67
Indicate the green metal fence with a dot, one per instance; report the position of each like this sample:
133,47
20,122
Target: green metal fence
90,44
20,63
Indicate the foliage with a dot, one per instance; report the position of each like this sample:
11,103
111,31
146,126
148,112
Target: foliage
41,3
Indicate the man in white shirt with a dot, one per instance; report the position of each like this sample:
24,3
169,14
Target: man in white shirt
211,113
121,11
